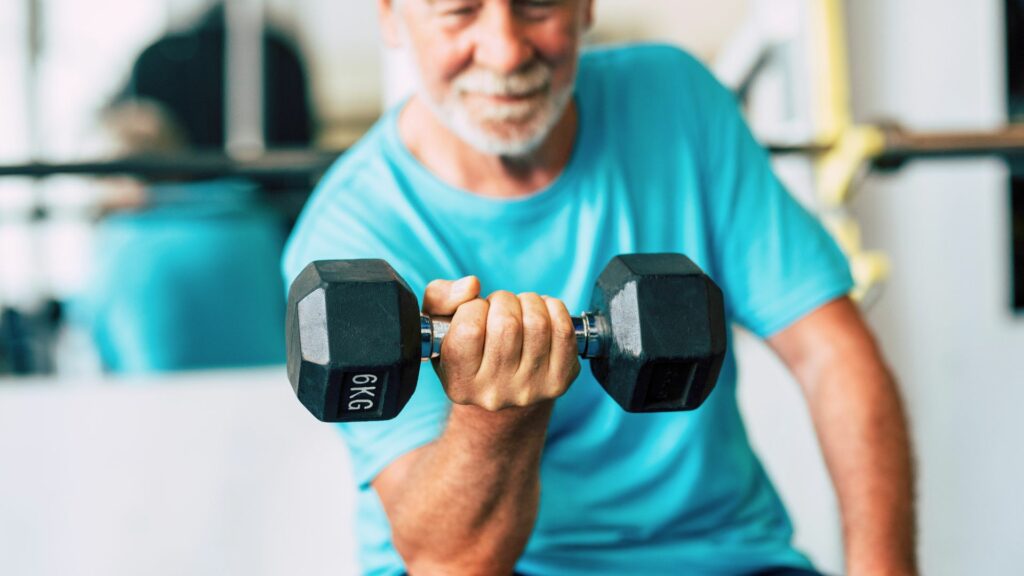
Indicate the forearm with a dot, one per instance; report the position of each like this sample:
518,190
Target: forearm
472,495
861,424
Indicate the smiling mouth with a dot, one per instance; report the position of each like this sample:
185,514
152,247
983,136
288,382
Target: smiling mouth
508,98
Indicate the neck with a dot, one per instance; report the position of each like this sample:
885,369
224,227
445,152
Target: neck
458,164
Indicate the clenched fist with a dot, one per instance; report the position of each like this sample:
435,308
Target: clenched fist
505,351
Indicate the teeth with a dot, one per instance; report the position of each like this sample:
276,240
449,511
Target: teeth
502,94
509,112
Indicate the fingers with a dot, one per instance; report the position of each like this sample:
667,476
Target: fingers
564,359
536,336
463,349
504,341
443,297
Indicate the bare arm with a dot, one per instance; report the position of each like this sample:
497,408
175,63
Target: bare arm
862,429
467,503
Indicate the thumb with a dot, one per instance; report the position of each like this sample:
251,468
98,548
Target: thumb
443,297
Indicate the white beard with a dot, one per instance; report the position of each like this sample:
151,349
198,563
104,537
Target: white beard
518,129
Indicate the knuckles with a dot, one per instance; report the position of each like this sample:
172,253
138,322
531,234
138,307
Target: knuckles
563,330
536,324
458,394
503,298
505,324
490,402
525,398
466,332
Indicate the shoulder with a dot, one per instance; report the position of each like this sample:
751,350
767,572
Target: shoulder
650,66
361,169
651,102
360,166
656,87
630,57
342,217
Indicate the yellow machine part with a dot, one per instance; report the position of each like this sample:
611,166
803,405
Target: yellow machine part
850,148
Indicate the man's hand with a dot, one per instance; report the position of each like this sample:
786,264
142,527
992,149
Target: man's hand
466,503
506,351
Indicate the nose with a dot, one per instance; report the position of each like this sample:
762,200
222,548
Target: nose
501,43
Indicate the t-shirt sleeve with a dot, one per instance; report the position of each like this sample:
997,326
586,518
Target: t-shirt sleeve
773,260
336,224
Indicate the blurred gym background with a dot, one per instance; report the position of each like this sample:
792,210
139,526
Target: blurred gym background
153,155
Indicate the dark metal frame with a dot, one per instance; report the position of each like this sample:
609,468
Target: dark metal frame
900,146
275,165
1015,105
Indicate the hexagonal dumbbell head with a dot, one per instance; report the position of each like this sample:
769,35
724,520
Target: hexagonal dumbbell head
352,333
667,332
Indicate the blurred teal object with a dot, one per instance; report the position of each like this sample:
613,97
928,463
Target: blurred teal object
191,282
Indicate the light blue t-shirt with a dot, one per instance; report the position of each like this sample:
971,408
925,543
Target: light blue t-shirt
663,162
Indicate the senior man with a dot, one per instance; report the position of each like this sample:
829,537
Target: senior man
520,167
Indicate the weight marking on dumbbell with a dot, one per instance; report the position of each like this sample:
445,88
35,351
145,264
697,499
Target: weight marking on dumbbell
361,392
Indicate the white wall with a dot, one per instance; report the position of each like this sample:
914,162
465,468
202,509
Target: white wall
198,474
945,318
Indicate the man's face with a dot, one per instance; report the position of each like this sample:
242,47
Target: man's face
497,73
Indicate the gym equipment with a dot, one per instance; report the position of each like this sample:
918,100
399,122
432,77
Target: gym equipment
655,336
890,147
274,165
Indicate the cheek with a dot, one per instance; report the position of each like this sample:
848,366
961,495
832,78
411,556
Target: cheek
440,60
558,44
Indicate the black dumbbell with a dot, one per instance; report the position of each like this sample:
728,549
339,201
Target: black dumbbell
655,336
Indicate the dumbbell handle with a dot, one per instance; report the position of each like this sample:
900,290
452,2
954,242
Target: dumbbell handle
591,333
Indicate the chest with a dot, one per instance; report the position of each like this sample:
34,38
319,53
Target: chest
560,250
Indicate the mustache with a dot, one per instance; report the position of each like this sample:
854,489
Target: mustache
533,77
